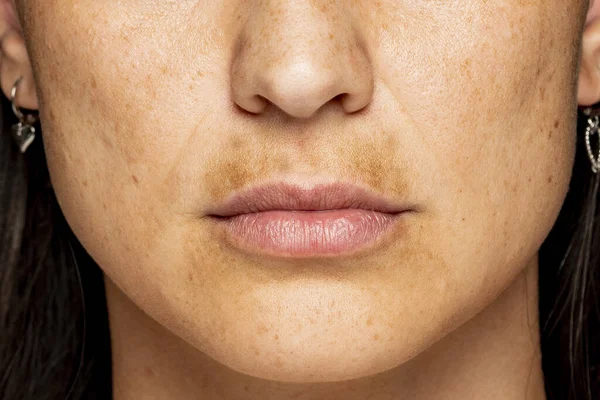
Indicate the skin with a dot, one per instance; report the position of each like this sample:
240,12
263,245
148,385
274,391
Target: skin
150,115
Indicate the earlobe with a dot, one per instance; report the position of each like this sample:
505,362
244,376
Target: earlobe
14,60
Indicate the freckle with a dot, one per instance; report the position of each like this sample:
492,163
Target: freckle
84,183
190,277
370,321
466,67
236,142
556,123
464,219
276,337
550,179
376,337
94,84
107,142
262,329
135,179
257,352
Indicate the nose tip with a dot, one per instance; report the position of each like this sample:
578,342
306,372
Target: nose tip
300,61
300,87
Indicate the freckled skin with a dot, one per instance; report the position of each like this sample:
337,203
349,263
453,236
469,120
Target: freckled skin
152,111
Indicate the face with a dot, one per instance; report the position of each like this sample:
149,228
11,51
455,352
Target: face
155,112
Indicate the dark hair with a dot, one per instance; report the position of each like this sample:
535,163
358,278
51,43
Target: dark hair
54,341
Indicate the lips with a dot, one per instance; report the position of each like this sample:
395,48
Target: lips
325,220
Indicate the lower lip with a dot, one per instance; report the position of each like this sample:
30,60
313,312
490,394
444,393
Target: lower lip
308,233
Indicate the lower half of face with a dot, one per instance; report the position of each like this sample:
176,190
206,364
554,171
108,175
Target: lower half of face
469,124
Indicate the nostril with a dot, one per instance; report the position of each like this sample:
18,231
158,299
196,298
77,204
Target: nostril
339,97
252,105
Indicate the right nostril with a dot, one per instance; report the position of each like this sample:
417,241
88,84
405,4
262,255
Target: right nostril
254,104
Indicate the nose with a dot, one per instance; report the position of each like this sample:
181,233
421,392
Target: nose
298,56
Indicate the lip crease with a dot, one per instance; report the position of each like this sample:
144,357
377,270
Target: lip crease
280,219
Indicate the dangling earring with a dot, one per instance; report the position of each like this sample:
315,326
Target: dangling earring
23,132
592,128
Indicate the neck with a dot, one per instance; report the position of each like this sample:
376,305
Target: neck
496,355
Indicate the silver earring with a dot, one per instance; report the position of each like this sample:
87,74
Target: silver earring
23,132
593,127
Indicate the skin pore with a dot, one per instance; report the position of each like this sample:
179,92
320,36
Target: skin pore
154,111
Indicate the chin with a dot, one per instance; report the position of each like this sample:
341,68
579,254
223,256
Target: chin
319,360
296,338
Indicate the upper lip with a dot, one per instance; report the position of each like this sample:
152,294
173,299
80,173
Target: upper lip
283,196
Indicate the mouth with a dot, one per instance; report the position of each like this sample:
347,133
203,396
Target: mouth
285,220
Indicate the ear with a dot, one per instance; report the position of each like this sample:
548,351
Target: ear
588,92
14,60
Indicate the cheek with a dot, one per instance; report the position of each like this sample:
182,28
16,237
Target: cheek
511,151
489,94
114,132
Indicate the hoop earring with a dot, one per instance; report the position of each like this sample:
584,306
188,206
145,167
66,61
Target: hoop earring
23,132
593,127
